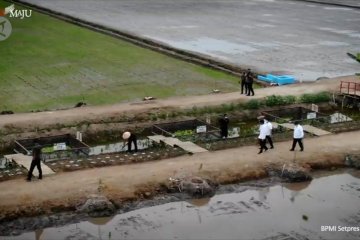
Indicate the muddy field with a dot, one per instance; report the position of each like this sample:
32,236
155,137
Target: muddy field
305,39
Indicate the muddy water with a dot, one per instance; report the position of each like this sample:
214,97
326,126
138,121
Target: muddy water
260,210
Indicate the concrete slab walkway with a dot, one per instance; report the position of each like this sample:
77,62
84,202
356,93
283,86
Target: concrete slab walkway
25,161
174,142
307,128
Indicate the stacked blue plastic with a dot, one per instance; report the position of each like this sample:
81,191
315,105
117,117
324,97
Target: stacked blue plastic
278,79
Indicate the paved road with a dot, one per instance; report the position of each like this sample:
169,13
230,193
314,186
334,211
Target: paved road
306,39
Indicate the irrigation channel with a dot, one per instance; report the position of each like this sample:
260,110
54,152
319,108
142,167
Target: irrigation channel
241,132
263,209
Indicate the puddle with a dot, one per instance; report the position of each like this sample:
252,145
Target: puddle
254,211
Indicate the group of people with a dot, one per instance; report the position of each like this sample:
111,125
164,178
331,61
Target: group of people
247,80
130,138
265,135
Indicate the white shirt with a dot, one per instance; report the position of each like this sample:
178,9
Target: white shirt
268,128
263,129
298,131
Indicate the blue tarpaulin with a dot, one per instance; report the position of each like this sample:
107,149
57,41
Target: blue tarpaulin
278,79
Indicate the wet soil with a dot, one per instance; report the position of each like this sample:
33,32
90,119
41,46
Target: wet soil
65,190
249,210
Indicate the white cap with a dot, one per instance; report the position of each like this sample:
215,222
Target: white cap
126,135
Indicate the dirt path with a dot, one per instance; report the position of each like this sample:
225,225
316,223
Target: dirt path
93,113
122,182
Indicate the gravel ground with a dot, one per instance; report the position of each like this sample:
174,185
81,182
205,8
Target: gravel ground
306,39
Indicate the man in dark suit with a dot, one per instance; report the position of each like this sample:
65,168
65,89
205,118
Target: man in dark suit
36,161
249,83
243,83
224,126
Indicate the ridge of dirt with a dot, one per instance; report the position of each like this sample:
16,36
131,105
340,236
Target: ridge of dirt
64,191
97,113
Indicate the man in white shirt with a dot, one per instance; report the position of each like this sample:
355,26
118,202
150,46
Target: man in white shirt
262,136
268,133
298,136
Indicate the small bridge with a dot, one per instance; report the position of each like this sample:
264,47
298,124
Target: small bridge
25,161
307,128
174,142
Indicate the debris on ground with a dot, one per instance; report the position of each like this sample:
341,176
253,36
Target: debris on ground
80,104
148,98
192,185
97,206
353,161
290,172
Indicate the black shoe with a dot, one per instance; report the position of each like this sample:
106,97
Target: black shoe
271,147
266,149
292,150
247,94
259,152
39,178
301,150
28,180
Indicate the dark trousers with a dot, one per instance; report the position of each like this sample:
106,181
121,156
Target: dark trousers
250,90
262,143
297,140
132,140
244,87
37,163
224,132
269,139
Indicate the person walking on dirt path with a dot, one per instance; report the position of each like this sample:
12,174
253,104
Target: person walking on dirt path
224,126
36,161
130,138
243,83
269,128
262,136
249,83
298,136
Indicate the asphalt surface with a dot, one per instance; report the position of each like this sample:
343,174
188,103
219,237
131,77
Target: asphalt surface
308,40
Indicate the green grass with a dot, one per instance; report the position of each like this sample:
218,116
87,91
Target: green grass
48,64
